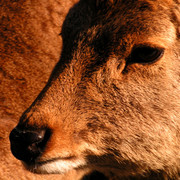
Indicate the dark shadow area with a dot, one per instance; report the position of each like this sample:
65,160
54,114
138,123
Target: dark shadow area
95,175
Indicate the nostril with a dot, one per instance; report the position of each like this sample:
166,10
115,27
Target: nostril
33,137
26,136
27,145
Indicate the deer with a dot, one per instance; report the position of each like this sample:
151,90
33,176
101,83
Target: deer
111,104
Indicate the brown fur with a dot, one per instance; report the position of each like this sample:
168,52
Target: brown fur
118,117
29,48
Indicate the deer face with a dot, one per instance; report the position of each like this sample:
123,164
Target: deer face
112,101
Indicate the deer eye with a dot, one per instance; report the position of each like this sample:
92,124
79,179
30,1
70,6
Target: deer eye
145,54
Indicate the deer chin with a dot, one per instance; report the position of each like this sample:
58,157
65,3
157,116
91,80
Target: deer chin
56,165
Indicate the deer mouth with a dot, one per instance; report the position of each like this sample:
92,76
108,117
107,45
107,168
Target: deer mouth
56,165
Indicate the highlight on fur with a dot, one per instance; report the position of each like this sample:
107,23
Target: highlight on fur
111,104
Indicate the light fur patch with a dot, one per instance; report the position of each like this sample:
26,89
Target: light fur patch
58,166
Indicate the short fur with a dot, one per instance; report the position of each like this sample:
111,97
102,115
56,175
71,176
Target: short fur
118,117
30,45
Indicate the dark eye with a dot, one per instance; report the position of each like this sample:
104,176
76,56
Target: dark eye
145,54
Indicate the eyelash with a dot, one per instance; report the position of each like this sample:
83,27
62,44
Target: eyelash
145,54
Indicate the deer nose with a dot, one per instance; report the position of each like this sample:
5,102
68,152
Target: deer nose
27,145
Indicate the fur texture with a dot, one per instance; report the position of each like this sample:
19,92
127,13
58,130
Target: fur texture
29,48
104,109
